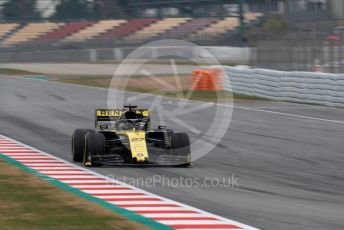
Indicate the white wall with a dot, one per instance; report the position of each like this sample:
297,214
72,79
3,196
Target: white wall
306,87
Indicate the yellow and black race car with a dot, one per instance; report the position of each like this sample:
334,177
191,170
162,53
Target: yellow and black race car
124,136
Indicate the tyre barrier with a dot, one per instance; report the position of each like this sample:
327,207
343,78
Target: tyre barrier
305,87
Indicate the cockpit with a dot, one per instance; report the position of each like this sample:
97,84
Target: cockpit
130,120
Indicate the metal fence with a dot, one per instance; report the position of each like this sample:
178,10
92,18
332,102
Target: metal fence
300,55
228,55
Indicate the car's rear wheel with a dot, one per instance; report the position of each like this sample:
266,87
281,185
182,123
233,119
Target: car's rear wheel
94,145
78,144
180,149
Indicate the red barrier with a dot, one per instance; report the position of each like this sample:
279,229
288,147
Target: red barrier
208,80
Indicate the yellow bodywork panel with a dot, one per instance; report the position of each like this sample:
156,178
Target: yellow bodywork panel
138,145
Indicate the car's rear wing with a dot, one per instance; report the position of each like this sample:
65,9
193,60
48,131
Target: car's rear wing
105,117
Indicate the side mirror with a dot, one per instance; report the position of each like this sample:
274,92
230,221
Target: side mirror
102,127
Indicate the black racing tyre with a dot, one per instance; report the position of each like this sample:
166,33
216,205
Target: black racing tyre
94,145
78,144
180,147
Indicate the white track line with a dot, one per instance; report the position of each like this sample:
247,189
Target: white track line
291,115
25,154
124,197
105,187
183,99
233,106
155,209
37,161
171,215
33,157
138,203
40,164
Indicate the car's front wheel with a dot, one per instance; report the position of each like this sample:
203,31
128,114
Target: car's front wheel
78,144
94,145
180,149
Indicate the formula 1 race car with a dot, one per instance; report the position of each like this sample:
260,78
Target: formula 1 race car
124,136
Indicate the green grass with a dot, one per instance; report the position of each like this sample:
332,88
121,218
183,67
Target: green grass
200,95
104,82
196,95
17,72
28,202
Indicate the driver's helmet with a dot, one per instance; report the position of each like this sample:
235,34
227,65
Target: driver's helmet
131,119
129,115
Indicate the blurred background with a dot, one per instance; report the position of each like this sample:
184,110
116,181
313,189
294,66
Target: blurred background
302,35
